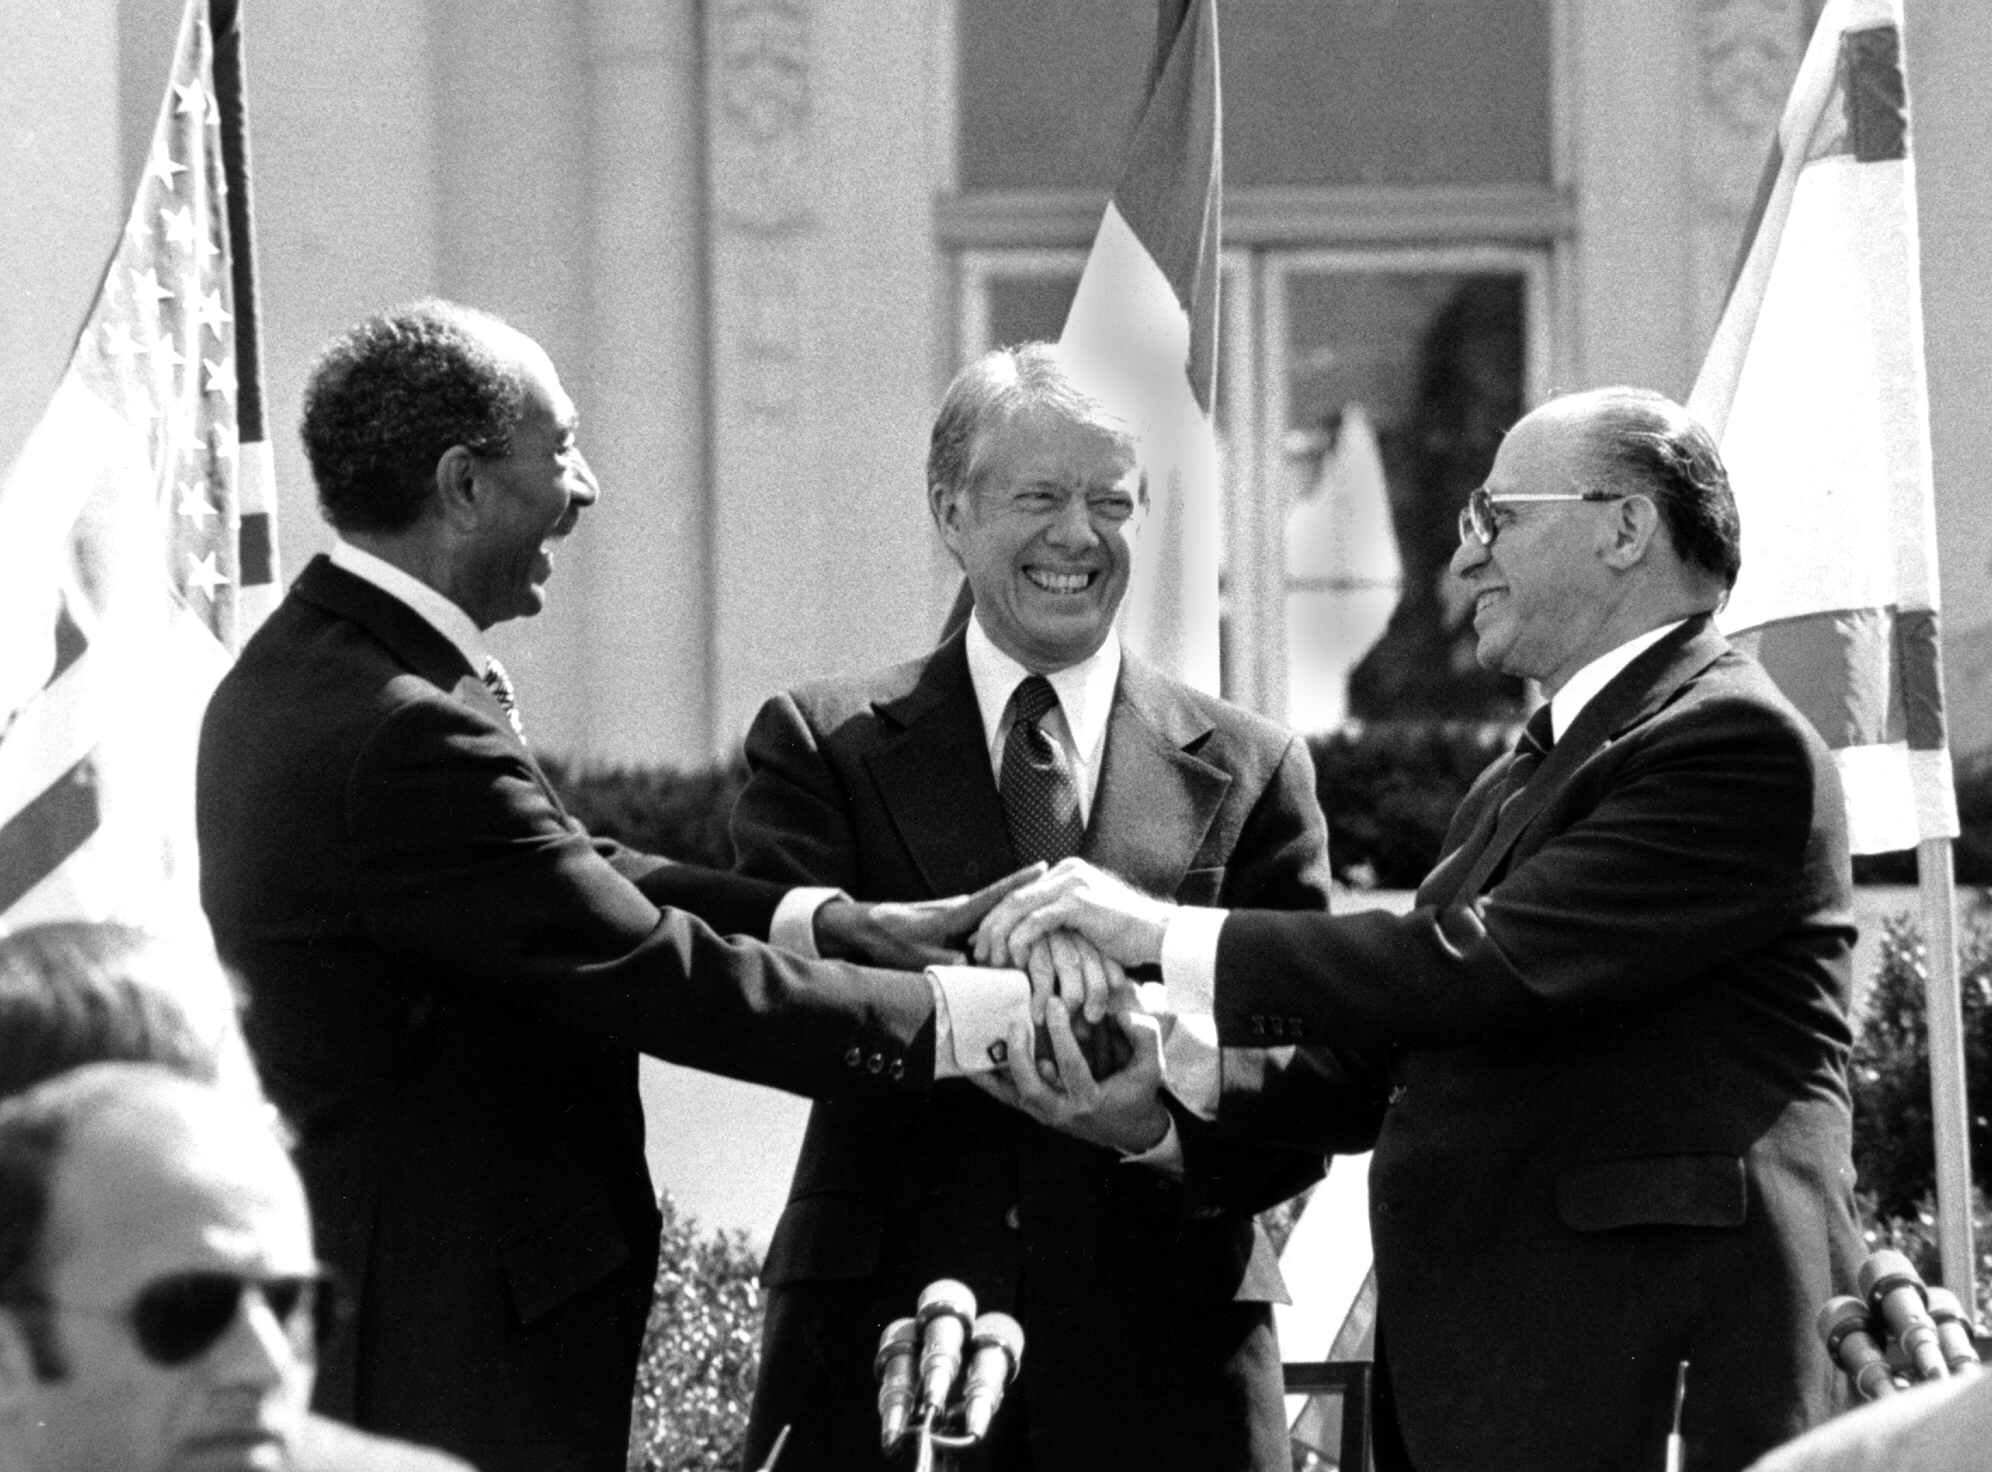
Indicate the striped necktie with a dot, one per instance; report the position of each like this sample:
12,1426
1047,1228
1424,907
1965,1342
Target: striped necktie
500,685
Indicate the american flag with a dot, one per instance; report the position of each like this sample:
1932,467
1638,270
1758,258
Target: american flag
136,530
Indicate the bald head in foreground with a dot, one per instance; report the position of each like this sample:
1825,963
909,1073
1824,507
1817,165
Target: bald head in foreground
1615,1020
161,1306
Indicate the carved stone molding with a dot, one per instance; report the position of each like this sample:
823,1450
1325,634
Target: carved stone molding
1746,53
758,126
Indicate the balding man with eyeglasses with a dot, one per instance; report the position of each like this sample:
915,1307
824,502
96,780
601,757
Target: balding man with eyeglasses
1616,1018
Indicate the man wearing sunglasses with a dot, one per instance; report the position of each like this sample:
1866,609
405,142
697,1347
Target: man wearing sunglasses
160,1304
1616,1019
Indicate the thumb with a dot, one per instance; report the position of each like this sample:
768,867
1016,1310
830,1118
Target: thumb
974,906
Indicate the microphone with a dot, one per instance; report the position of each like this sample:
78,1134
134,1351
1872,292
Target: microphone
998,1351
1843,1324
1953,1332
892,1367
947,1309
1894,1291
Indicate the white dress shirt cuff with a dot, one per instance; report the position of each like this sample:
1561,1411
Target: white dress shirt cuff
974,1009
1191,1062
794,925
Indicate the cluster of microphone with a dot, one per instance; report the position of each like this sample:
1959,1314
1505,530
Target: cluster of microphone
1899,1332
922,1361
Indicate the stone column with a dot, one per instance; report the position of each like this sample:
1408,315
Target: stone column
646,662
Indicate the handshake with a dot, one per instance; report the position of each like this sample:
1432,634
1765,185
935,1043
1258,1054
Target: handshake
1089,1058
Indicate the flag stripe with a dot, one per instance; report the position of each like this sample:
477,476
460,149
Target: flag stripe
1877,98
1861,676
40,837
1169,189
253,549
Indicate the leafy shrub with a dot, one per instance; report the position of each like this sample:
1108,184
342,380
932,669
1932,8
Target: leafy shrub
1894,1140
680,813
1389,790
701,1349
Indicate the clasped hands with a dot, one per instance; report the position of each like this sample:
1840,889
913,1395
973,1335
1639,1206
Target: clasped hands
1087,1060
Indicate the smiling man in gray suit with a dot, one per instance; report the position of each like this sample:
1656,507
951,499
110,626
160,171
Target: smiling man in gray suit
1130,1256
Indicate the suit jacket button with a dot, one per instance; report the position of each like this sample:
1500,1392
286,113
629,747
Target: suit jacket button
853,1056
874,1063
1013,1218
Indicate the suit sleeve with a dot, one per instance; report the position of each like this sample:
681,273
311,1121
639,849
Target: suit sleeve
1690,853
792,823
469,871
1281,1108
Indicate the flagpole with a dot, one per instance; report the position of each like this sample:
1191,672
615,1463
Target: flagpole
255,540
1950,1110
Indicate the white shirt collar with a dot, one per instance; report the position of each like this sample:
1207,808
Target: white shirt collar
433,608
1085,696
1577,692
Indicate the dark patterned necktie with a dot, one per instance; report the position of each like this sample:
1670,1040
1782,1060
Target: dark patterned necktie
500,684
1530,748
1040,799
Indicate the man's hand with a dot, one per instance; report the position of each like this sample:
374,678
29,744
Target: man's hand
1122,923
1068,967
1122,1112
913,934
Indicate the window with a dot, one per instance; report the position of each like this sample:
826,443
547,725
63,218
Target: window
1390,304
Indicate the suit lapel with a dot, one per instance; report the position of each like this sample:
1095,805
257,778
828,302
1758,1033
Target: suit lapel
1637,691
1156,799
413,640
933,778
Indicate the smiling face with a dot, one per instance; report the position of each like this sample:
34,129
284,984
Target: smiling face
1542,592
527,500
182,1192
1046,532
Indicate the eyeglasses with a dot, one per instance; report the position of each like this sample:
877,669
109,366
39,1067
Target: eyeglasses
181,1317
1476,518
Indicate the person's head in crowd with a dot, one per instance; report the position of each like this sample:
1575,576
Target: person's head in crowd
1606,514
160,1300
441,439
1039,490
75,992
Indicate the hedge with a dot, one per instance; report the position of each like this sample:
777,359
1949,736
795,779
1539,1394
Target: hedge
1388,790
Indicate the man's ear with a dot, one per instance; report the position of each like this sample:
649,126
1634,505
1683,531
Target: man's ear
456,486
945,506
1635,522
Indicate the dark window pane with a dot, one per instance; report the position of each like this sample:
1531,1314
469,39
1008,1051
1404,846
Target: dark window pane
1317,92
1399,384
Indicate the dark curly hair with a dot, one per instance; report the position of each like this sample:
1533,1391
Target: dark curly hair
389,397
1644,441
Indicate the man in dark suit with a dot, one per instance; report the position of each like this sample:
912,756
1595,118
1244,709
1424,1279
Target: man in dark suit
449,981
160,1303
1617,1017
1130,1257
